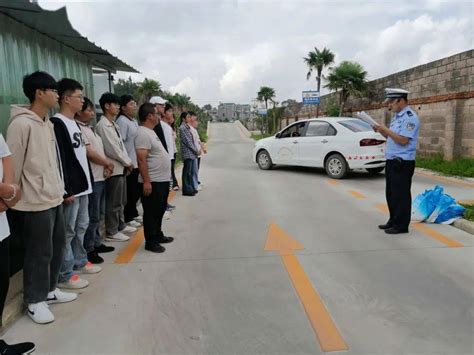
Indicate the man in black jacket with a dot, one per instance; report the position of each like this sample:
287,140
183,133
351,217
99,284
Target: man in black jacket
77,184
159,104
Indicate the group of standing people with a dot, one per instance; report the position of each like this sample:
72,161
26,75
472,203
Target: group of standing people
61,177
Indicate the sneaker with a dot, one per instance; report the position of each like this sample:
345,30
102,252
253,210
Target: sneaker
199,188
40,313
167,215
16,349
134,224
139,219
117,237
89,268
94,258
175,188
104,249
58,296
155,248
74,282
128,229
170,207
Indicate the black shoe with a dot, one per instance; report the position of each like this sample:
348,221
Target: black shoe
385,226
170,207
94,258
104,249
155,248
396,231
16,349
165,239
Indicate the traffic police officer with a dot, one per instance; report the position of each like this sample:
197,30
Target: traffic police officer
402,137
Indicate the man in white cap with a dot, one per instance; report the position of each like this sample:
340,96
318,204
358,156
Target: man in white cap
159,104
402,138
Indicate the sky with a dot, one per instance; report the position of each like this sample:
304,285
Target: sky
224,51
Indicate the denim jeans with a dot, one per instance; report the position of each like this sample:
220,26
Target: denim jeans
92,238
76,219
187,177
195,174
44,239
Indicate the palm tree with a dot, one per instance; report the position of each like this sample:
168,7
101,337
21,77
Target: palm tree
148,88
318,60
350,78
266,94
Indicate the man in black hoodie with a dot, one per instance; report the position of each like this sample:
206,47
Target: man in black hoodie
77,183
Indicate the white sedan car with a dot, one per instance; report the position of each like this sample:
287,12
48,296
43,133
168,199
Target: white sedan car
337,144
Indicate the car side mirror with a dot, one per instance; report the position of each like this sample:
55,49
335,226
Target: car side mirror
278,135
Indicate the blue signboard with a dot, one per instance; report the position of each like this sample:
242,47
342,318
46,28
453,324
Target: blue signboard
311,98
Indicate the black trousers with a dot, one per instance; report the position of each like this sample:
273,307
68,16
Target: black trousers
43,236
133,195
398,176
4,273
154,207
173,175
187,187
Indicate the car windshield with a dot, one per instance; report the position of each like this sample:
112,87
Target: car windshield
356,125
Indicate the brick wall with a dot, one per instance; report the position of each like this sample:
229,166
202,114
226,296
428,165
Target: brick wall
442,93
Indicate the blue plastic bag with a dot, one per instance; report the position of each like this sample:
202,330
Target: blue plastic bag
450,214
443,203
425,203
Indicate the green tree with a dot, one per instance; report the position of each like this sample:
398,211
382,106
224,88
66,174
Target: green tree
350,78
318,60
126,87
266,94
148,88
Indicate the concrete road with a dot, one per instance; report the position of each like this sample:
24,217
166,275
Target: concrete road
217,291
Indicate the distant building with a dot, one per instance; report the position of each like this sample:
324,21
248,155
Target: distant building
230,112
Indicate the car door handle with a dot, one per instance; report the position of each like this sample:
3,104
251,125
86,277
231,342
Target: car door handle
295,142
324,141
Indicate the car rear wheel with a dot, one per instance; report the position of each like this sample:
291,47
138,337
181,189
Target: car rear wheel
336,166
375,171
264,161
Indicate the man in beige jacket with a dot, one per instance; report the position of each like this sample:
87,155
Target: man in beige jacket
37,219
115,185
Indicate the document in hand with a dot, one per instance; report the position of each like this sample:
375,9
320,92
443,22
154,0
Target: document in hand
366,118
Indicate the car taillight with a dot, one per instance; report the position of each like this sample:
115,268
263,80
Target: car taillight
370,141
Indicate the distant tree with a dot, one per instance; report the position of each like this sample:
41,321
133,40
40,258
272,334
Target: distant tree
207,107
148,88
350,78
126,87
318,60
266,94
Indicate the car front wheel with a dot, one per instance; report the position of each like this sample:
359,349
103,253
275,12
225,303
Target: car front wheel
336,166
264,161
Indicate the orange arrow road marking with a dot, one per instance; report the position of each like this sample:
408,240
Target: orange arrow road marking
326,331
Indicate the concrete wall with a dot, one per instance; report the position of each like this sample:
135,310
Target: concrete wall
442,93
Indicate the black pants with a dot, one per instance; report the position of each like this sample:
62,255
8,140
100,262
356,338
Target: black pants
133,195
44,239
398,175
188,187
4,273
173,175
154,207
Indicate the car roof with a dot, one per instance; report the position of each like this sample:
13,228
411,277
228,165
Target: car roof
330,119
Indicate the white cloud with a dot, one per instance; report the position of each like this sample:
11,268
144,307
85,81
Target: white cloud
188,86
408,43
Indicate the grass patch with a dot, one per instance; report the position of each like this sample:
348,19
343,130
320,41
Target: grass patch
469,214
260,136
457,167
